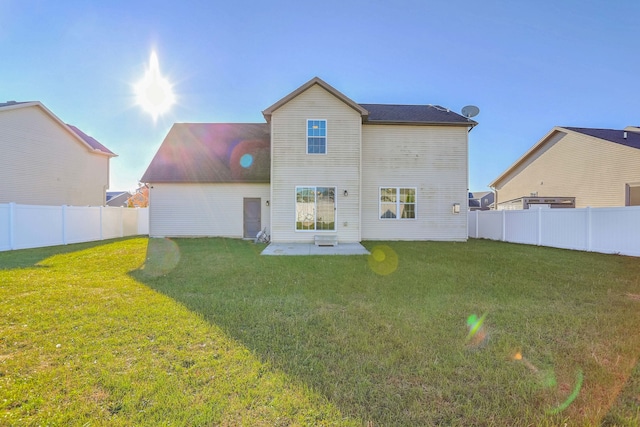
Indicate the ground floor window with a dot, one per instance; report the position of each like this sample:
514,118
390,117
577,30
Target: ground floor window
315,208
397,203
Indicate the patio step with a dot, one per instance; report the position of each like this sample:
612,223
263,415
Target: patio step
326,240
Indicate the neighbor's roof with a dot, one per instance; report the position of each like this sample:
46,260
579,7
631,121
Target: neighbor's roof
82,137
425,114
213,152
611,135
90,140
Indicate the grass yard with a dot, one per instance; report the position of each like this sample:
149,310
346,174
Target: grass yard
208,332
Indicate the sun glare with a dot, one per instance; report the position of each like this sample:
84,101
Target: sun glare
154,92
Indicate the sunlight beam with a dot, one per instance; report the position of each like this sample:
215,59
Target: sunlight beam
154,93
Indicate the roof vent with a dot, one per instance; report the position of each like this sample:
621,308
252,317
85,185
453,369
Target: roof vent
11,102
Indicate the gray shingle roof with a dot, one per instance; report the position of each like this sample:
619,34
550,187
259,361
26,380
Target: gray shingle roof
9,103
213,152
90,140
613,135
431,114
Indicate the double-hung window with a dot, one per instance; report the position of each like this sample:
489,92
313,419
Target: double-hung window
397,203
316,136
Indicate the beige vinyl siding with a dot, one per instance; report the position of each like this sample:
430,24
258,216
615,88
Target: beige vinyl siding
594,171
43,163
433,159
197,210
291,166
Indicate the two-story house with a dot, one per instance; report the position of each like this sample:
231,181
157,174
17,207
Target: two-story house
44,161
321,165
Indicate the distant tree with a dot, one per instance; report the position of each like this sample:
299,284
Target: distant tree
140,198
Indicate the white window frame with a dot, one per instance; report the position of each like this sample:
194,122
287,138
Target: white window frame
315,222
398,203
326,145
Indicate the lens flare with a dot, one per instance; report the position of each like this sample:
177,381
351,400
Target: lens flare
576,390
246,160
475,325
383,260
154,93
163,255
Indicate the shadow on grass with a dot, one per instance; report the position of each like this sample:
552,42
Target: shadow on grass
29,258
388,349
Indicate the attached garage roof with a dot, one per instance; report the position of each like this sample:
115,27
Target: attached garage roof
212,153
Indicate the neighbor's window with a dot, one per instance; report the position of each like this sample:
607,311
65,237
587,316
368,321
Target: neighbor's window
315,208
316,136
397,203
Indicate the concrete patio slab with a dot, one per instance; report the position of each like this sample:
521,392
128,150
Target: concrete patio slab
312,249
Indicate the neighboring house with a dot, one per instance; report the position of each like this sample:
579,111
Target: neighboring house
575,167
481,200
117,198
44,161
322,165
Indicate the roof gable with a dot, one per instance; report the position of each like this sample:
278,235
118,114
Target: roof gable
89,142
314,81
213,153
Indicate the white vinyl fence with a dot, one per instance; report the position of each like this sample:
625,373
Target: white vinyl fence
606,230
34,226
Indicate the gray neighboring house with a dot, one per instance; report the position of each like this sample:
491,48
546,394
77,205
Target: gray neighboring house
481,200
118,198
321,167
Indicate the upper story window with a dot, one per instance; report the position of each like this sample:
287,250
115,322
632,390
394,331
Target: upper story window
316,136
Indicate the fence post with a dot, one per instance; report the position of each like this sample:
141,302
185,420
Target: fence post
12,225
101,224
504,225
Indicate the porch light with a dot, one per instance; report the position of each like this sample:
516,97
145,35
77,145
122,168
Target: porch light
456,208
346,193
267,203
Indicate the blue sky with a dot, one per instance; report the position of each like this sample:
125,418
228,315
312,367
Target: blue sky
528,65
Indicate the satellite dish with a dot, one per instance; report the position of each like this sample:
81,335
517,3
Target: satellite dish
470,111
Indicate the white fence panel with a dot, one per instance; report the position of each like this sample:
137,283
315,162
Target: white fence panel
521,226
129,222
564,228
33,226
111,222
143,220
606,230
82,224
616,230
489,225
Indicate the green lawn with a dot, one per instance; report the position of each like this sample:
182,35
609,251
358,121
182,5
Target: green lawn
208,332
